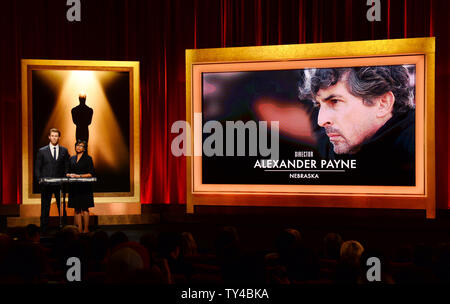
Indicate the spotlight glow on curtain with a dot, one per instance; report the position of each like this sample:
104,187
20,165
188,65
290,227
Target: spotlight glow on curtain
106,141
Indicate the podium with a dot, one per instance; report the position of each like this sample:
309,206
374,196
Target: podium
61,181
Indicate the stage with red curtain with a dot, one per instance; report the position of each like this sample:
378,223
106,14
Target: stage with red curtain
157,33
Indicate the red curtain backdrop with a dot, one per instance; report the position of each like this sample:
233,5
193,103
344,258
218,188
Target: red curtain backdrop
156,33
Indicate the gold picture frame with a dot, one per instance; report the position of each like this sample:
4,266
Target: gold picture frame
418,51
131,67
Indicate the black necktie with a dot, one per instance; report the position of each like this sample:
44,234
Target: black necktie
54,153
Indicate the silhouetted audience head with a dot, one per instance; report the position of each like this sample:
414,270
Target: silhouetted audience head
117,238
65,243
125,260
295,233
99,249
276,273
288,242
332,246
351,252
348,270
33,234
150,242
129,264
169,245
188,244
69,233
300,261
227,242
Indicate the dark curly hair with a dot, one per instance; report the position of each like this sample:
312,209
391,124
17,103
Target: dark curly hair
80,141
366,82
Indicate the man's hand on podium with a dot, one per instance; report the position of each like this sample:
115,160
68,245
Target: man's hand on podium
73,175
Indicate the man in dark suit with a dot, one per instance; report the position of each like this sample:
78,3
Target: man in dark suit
51,161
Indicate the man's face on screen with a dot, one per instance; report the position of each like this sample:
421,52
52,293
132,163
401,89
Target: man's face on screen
347,120
54,138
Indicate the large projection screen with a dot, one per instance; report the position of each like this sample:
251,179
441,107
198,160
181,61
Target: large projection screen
346,124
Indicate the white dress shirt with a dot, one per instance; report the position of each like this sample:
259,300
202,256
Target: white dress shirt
53,151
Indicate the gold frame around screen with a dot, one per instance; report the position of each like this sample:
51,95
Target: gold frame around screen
28,65
419,51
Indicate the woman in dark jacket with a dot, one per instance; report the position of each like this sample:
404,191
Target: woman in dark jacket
81,195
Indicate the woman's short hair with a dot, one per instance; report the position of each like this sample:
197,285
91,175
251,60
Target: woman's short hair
80,141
